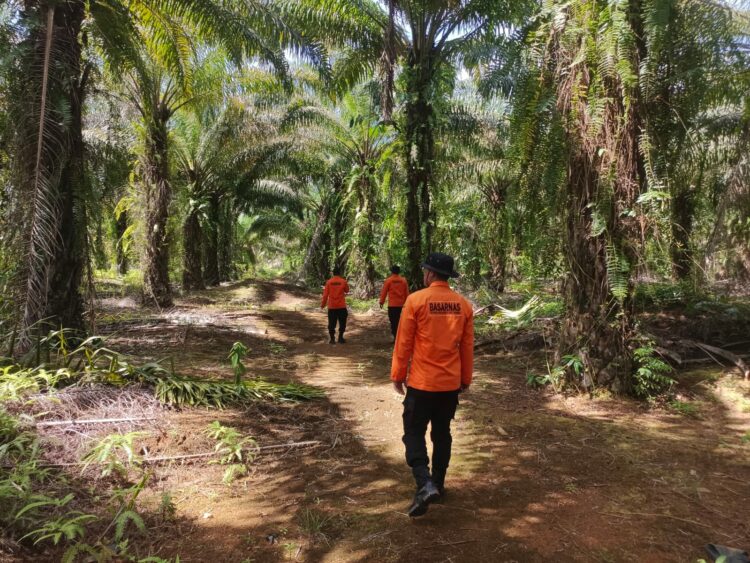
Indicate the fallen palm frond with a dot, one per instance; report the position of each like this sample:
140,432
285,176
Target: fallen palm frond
180,391
95,368
17,383
517,318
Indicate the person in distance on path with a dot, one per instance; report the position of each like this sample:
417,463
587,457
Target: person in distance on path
334,295
396,290
434,358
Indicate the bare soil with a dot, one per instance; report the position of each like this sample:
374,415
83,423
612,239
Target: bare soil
535,476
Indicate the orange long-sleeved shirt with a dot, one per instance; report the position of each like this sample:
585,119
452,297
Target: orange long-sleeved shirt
396,289
334,293
436,333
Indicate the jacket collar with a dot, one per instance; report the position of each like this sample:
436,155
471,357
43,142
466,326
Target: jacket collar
439,284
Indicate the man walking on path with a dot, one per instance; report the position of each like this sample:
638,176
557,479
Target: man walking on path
396,290
334,294
436,335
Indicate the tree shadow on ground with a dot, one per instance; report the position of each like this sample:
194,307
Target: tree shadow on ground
537,481
534,477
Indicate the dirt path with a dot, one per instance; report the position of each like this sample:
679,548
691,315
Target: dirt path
534,476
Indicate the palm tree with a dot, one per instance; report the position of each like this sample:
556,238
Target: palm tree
49,168
361,149
429,37
691,55
157,94
596,81
474,145
232,160
49,159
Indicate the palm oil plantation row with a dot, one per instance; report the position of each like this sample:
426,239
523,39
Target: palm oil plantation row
587,163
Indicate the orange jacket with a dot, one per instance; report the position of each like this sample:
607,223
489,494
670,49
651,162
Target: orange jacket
333,293
396,289
436,333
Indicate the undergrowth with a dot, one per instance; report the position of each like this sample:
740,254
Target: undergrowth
236,450
39,510
91,363
535,308
44,506
652,376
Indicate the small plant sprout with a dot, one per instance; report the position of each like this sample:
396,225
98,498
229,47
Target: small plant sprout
314,523
555,376
236,354
167,507
235,450
653,374
70,526
109,451
277,349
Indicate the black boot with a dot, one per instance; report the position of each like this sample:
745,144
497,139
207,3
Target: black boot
333,337
438,477
427,494
341,338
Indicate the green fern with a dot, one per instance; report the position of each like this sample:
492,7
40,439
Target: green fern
122,521
618,272
71,526
652,375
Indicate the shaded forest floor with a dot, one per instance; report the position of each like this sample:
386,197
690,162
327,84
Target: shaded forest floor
534,476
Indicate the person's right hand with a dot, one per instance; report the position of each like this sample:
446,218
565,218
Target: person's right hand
381,305
398,386
463,388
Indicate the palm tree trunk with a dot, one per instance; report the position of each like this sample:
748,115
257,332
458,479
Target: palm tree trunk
227,270
192,235
55,173
156,286
498,239
591,328
211,242
340,219
121,227
419,153
598,323
363,240
310,265
683,210
65,302
497,256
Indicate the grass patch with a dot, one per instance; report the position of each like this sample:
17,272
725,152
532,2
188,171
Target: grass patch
361,305
685,408
108,283
661,295
315,524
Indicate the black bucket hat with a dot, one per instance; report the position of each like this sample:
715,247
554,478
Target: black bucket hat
440,264
395,269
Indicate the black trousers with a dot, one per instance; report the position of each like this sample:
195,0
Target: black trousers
337,316
438,409
394,315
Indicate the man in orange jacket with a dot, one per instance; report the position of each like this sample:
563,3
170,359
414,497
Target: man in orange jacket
396,290
334,294
434,358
